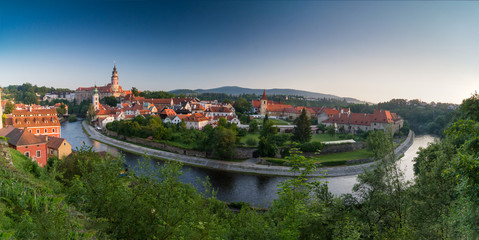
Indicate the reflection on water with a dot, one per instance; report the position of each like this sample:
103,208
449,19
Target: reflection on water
230,187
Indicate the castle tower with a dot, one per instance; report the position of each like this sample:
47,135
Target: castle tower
114,80
263,106
96,100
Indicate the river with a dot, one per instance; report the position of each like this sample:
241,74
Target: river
234,187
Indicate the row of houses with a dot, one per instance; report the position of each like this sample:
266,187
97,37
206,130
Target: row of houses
353,122
195,113
339,118
35,131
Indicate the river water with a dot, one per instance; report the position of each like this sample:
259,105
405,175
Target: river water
234,187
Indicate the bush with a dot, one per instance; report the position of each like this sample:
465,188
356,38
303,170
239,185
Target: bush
72,118
251,141
285,152
311,146
239,205
31,166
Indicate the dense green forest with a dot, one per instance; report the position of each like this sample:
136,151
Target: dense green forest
84,196
28,93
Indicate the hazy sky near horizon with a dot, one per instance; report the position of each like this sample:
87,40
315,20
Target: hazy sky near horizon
371,50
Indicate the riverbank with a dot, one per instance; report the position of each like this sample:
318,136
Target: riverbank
246,166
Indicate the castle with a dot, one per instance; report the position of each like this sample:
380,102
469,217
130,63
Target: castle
111,89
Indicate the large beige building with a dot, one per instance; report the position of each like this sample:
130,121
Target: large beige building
111,89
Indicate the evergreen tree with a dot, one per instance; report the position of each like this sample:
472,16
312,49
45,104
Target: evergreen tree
267,145
302,131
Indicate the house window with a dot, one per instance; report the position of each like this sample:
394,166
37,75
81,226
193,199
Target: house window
27,154
39,153
38,145
51,151
53,129
26,146
46,130
38,130
30,131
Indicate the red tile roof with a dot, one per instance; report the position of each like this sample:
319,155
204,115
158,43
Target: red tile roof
55,142
196,117
19,137
36,112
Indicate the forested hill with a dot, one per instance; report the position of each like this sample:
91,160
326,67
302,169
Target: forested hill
233,90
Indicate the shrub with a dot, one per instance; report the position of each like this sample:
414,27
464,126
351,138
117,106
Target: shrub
72,118
251,141
239,205
311,146
284,152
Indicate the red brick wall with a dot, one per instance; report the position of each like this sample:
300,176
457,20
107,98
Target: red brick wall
49,132
32,149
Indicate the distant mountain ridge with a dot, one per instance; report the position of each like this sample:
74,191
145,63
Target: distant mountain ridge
234,90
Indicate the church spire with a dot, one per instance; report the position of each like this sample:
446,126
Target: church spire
264,95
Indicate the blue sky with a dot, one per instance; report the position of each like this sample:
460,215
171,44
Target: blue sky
372,51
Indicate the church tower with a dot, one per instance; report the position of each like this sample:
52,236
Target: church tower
263,105
96,100
114,80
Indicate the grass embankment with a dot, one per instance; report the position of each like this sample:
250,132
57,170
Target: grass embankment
333,159
31,205
279,122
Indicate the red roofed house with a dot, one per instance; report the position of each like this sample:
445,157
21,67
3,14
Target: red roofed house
58,147
38,122
218,111
167,112
197,108
326,113
294,112
352,122
30,145
196,121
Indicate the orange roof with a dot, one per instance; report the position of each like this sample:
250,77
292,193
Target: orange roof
196,117
37,121
330,111
183,116
36,112
168,112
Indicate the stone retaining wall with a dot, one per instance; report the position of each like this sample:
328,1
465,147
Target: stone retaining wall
5,151
343,147
239,153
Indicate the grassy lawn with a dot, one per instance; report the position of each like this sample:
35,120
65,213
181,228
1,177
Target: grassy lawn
250,135
334,159
315,137
278,122
359,154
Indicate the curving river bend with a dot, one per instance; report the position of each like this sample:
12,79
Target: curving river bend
235,187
